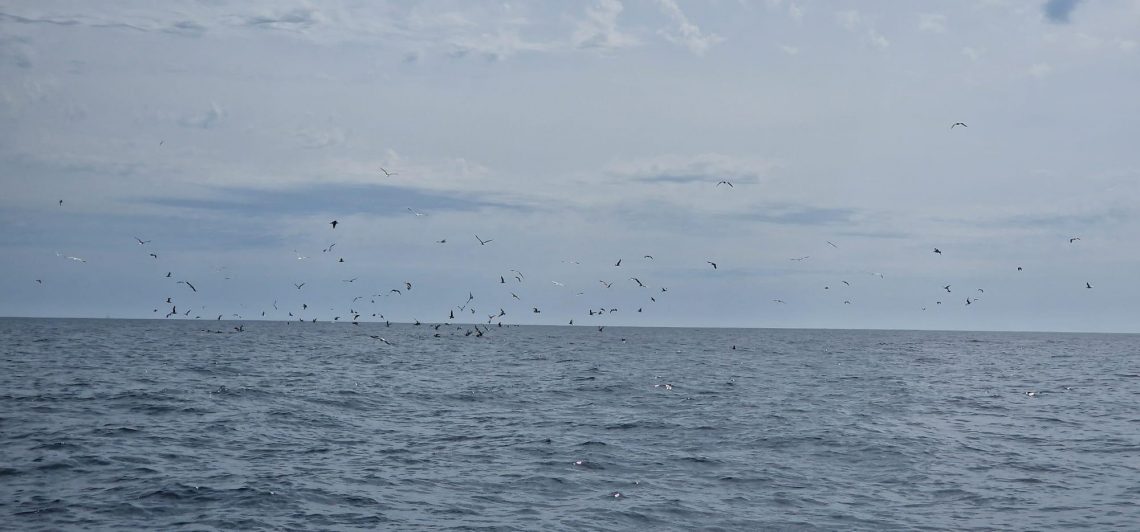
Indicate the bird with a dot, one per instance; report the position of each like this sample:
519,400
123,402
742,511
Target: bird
168,274
938,251
502,280
536,311
483,242
618,263
333,223
725,183
800,258
1087,285
650,257
947,288
407,285
778,300
155,255
41,281
168,300
349,280
61,203
444,241
141,241
340,259
607,285
712,263
77,259
416,212
187,283
298,285
832,243
556,283
381,338
328,249
846,283
638,281
1019,268
387,173
963,124
1074,239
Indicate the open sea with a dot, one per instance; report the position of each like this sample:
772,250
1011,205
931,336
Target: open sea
161,425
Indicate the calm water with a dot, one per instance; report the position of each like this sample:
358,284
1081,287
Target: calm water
114,424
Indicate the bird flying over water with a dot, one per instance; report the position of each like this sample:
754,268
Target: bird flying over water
638,281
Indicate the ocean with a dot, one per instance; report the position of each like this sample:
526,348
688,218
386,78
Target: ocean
170,425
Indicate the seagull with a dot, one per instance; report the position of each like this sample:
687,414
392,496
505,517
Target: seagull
711,262
725,183
556,283
299,256
947,288
444,241
1019,268
520,274
61,203
483,242
41,281
298,285
340,259
408,285
415,212
349,280
638,281
963,124
805,257
333,223
1087,285
169,273
155,255
1074,239
387,173
778,300
607,285
618,263
328,249
141,241
938,251
381,338
650,257
832,243
846,283
515,296
536,311
187,283
77,259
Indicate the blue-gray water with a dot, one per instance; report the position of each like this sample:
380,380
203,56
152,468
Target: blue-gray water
112,424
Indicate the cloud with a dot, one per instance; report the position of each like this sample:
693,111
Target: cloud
326,199
599,28
790,50
973,53
707,167
1040,70
787,214
687,33
853,21
1058,11
205,119
932,22
298,19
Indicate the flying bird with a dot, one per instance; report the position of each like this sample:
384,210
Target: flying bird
712,263
444,241
417,213
169,273
947,288
607,285
483,242
805,257
556,283
650,257
1074,239
349,280
725,183
387,173
1087,285
938,251
963,124
141,241
375,337
618,263
77,259
187,283
638,281
832,243
298,285
155,255
61,203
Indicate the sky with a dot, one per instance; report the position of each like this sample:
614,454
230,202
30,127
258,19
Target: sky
227,135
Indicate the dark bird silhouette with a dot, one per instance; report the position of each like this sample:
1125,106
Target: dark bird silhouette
333,223
638,281
483,242
328,249
607,285
61,203
963,124
938,251
832,243
41,281
141,241
340,259
298,285
502,280
155,255
349,280
618,263
187,283
444,241
1074,239
168,300
947,288
1019,268
387,173
650,257
725,183
408,286
375,337
1087,285
712,263
168,274
536,311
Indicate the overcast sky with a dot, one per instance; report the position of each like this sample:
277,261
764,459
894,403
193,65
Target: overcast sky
575,134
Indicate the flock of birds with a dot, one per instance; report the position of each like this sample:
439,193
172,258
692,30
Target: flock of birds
469,321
